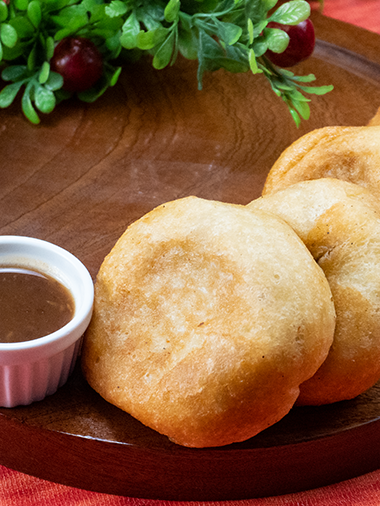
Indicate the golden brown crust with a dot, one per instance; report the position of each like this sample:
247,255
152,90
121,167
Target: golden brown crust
207,318
375,121
340,224
348,153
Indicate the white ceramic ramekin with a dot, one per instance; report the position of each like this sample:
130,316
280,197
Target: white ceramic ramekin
31,370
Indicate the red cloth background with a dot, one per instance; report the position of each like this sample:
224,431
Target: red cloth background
17,489
364,13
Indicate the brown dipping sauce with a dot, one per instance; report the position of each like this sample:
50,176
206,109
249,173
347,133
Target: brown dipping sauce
32,304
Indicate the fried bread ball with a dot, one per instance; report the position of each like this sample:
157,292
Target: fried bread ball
339,222
348,153
207,318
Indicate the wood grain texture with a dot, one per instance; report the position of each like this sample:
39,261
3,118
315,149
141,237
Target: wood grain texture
88,171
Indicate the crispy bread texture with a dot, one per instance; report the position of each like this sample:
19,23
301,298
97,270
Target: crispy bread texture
339,222
208,316
348,153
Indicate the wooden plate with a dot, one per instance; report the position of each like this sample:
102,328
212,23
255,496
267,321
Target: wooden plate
86,172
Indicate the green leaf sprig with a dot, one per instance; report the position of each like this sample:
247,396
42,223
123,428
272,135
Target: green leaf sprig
228,34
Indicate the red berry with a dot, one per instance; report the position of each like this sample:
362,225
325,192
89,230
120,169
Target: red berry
79,62
300,47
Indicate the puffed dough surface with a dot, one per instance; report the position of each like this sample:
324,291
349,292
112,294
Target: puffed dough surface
340,224
348,153
208,316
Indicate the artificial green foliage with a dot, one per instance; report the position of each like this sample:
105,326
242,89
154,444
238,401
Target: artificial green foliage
228,34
